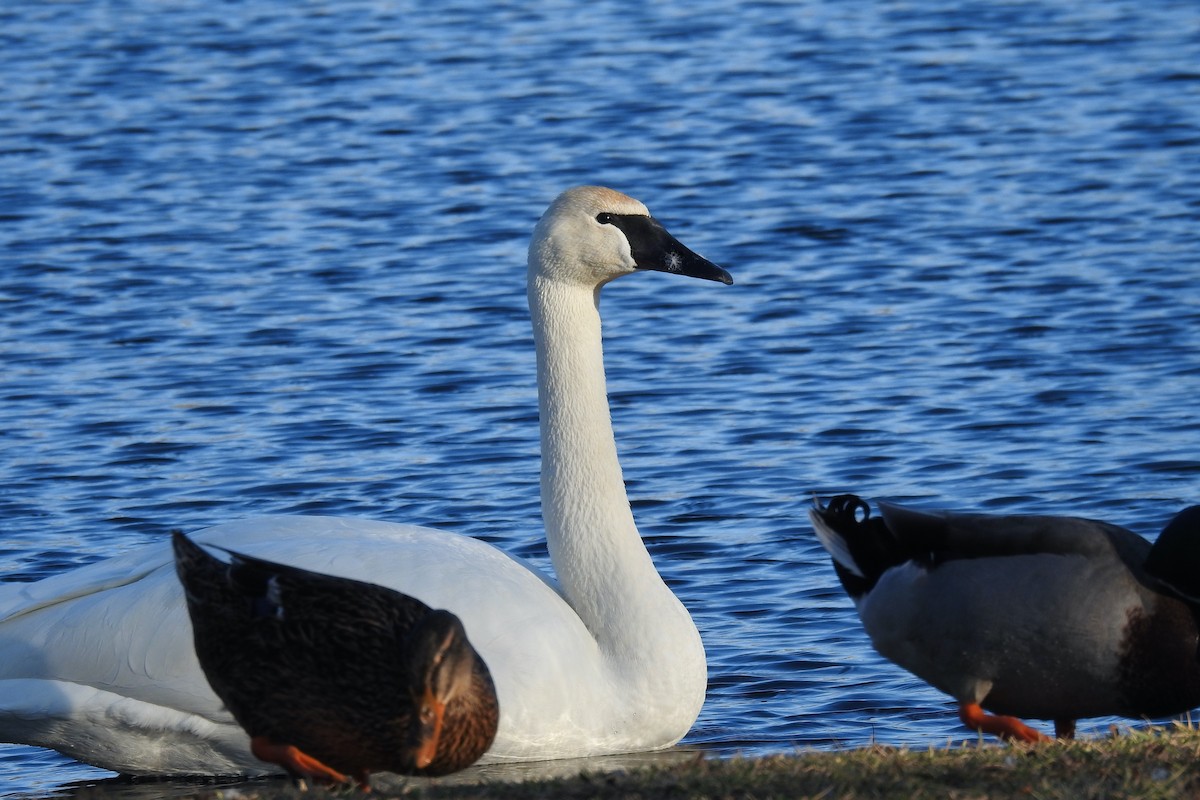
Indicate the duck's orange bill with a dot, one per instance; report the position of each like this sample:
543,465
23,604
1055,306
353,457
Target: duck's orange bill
427,750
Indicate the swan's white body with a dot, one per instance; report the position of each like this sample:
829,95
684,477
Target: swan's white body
98,663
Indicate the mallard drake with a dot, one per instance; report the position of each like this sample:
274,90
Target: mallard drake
333,677
598,657
1044,617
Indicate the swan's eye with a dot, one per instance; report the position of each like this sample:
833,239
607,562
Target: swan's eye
604,218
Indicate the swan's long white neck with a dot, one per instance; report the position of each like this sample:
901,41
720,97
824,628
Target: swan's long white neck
602,564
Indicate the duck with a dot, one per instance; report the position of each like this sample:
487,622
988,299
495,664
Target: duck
332,677
1025,616
598,657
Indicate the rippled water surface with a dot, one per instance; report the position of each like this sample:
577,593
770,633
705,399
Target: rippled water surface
268,257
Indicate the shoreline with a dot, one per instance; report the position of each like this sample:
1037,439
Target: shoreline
1156,762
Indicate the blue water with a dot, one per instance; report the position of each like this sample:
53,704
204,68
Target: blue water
268,257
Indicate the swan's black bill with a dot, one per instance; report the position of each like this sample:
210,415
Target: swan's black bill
654,248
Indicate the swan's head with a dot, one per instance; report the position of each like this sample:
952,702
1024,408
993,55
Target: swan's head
590,235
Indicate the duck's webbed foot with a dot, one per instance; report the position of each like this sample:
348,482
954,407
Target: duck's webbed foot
297,763
1010,729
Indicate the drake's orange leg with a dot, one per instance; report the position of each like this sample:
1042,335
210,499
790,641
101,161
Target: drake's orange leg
364,780
297,763
1007,728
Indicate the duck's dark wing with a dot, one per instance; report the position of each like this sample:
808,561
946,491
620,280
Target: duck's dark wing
267,589
943,536
313,660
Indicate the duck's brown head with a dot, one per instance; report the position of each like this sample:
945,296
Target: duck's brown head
443,663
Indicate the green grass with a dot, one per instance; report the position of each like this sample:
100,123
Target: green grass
1159,763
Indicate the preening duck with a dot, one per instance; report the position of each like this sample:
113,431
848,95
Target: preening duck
333,677
98,663
1041,617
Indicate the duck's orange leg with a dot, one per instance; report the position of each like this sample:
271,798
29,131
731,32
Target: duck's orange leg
1010,729
297,763
364,780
